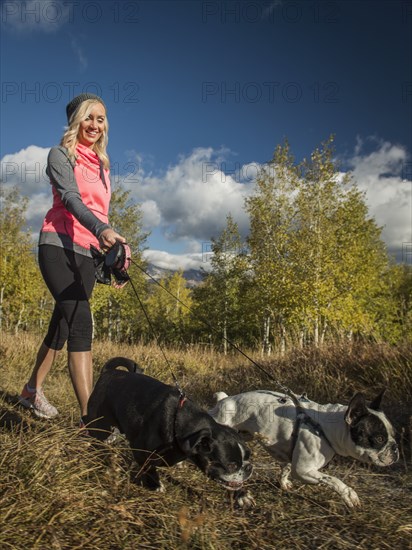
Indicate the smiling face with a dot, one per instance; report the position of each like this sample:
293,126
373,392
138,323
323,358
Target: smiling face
91,129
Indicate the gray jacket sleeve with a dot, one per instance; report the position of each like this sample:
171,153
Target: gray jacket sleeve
61,173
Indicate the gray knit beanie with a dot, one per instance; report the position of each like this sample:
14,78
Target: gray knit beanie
76,101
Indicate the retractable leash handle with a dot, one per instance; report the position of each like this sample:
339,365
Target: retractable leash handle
115,261
118,260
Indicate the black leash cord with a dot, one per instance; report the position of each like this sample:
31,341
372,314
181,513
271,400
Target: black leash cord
301,415
156,337
279,384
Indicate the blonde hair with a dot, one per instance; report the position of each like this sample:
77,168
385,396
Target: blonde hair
70,136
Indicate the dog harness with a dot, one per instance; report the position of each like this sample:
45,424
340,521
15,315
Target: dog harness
303,418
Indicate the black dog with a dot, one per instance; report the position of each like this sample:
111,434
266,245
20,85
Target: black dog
163,427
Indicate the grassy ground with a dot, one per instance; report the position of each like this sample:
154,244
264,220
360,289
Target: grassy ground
58,492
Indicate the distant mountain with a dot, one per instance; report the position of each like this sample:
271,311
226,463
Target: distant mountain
193,276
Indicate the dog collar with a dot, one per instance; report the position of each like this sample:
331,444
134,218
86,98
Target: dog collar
182,401
167,446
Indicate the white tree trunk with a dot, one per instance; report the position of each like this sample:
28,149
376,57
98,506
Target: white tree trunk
266,347
20,319
1,306
316,332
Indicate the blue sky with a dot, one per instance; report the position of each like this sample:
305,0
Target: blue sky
199,93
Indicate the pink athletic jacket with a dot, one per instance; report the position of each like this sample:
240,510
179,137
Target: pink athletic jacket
80,199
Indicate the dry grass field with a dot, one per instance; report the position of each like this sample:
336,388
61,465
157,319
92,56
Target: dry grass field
57,491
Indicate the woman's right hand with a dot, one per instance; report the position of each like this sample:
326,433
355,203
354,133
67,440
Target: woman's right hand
109,237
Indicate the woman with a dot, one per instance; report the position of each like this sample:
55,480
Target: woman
79,173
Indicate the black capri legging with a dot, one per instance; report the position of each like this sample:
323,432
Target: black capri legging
70,278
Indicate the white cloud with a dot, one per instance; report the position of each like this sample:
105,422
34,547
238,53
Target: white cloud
151,214
165,260
26,170
38,205
194,196
35,15
79,53
381,174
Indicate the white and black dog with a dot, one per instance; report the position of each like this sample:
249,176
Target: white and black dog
163,427
303,436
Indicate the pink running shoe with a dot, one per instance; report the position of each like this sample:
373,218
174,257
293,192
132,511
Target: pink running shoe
36,401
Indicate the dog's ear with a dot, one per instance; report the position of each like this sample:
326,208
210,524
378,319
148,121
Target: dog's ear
356,409
376,403
196,441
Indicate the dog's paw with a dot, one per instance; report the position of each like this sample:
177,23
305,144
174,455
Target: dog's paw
350,498
286,484
245,500
113,437
160,488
